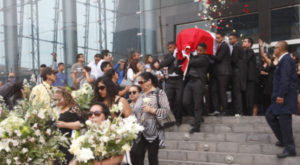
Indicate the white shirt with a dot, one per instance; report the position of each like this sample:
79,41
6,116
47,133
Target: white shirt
130,75
282,56
95,69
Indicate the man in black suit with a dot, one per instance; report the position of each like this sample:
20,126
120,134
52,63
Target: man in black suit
221,74
251,75
239,74
194,89
284,100
174,81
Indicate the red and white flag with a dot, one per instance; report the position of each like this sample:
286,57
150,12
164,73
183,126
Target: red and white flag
187,42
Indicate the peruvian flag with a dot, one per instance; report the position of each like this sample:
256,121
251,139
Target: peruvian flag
187,42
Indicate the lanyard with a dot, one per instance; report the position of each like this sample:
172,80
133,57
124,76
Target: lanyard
49,93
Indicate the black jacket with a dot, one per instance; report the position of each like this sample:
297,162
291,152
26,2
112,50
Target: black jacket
222,65
198,67
172,63
239,64
251,64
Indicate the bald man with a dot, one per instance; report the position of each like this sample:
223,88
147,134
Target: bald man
284,100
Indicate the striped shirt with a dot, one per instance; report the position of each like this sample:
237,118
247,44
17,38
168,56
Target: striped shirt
149,120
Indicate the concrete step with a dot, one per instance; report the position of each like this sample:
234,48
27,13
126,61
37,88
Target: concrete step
234,120
222,157
228,147
251,138
234,128
177,162
247,140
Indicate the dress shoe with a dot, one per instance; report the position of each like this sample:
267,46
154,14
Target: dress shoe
285,154
193,130
215,113
279,144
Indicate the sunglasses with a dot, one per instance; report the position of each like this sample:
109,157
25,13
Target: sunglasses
141,82
101,88
133,92
96,113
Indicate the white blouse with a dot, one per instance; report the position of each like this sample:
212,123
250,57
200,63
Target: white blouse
130,75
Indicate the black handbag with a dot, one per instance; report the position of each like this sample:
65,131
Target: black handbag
169,121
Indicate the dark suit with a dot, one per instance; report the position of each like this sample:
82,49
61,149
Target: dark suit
239,77
251,80
222,71
174,85
279,115
195,86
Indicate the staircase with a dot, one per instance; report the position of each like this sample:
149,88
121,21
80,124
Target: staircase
226,140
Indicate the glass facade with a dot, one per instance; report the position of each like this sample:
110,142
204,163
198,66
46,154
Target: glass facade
40,30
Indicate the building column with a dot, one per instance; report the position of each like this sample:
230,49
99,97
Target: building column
70,35
148,25
11,35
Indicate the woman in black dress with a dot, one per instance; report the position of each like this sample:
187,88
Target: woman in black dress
69,120
267,73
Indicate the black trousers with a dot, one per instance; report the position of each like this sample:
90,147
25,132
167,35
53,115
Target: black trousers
281,126
237,99
219,84
250,94
193,98
138,150
174,90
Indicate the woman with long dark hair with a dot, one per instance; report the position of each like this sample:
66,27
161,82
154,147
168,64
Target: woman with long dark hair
106,92
135,69
113,75
267,72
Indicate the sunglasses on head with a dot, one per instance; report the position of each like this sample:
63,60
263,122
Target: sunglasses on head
132,92
141,82
96,113
101,88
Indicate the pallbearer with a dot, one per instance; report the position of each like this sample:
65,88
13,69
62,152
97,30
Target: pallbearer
195,84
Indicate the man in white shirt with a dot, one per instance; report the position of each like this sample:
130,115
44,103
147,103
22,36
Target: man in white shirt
95,66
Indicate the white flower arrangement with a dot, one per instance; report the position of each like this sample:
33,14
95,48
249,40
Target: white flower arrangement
28,137
110,138
3,109
84,96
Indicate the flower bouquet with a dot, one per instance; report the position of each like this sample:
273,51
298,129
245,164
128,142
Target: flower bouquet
110,138
84,96
28,137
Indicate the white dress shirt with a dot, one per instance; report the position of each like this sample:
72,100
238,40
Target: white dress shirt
95,69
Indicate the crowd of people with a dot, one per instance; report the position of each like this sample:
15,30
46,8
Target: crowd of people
231,82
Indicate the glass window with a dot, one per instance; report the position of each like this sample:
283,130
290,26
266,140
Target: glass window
285,24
